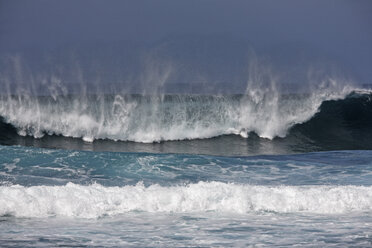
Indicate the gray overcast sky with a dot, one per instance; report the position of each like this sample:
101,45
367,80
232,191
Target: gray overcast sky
340,27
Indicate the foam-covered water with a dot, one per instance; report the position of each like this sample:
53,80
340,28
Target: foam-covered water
96,201
78,198
191,230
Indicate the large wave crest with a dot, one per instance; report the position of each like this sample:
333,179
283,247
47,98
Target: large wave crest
155,118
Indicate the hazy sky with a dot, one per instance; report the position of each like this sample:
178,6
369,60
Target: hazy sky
342,28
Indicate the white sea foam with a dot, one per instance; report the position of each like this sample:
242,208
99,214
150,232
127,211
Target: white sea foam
95,201
263,111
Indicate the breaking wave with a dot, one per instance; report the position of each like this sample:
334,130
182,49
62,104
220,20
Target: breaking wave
95,201
169,117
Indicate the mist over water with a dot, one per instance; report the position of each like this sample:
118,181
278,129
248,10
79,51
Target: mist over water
165,94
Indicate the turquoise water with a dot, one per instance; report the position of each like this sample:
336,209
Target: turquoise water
87,199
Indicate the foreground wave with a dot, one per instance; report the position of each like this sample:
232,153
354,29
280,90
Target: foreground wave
96,201
51,197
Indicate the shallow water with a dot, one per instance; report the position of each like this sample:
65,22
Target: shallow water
84,199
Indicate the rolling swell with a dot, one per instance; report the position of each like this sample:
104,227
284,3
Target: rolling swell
191,124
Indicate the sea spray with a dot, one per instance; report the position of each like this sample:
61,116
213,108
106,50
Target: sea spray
159,118
265,107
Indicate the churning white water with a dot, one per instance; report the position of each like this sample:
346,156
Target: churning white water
96,201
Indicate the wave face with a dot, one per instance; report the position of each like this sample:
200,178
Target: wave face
96,201
162,118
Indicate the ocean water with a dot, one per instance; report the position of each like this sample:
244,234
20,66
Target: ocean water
79,198
259,170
